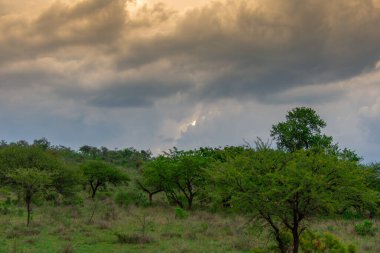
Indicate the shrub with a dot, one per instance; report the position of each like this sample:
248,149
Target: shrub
74,199
324,243
180,213
6,206
125,199
122,199
67,248
365,228
132,238
351,214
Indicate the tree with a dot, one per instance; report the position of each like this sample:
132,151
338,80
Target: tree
301,130
90,152
30,181
179,173
287,189
43,143
15,156
99,174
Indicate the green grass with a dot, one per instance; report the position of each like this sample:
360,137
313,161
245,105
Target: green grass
67,230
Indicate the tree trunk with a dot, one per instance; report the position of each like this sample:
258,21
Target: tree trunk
190,202
296,239
94,189
280,243
276,230
150,198
28,200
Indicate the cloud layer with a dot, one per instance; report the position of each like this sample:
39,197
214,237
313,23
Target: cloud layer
120,74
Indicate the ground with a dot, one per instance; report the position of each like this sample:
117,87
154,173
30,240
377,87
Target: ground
119,229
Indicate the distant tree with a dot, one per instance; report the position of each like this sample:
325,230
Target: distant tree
30,181
43,143
3,144
22,143
90,152
301,130
287,189
68,155
99,174
104,153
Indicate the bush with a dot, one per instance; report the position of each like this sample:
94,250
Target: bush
132,238
6,206
365,228
136,197
75,199
352,214
324,243
180,213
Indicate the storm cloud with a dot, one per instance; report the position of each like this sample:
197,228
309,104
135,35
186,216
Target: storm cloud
120,73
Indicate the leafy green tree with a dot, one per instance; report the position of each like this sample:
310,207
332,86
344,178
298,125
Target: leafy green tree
99,174
155,178
180,174
374,179
15,156
287,189
301,130
43,143
90,152
30,181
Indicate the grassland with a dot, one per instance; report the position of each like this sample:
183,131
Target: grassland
153,229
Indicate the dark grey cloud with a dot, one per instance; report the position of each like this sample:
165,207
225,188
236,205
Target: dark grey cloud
138,94
270,48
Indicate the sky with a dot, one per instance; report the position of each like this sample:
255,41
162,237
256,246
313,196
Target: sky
154,74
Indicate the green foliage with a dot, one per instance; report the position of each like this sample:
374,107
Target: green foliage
30,181
365,228
324,243
99,174
64,179
124,238
284,189
126,198
180,213
180,174
301,130
351,214
374,178
6,206
14,156
125,157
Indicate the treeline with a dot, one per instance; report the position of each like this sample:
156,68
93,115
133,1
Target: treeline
130,156
305,176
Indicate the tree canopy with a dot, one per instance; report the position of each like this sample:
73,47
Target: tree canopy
99,174
301,130
285,189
